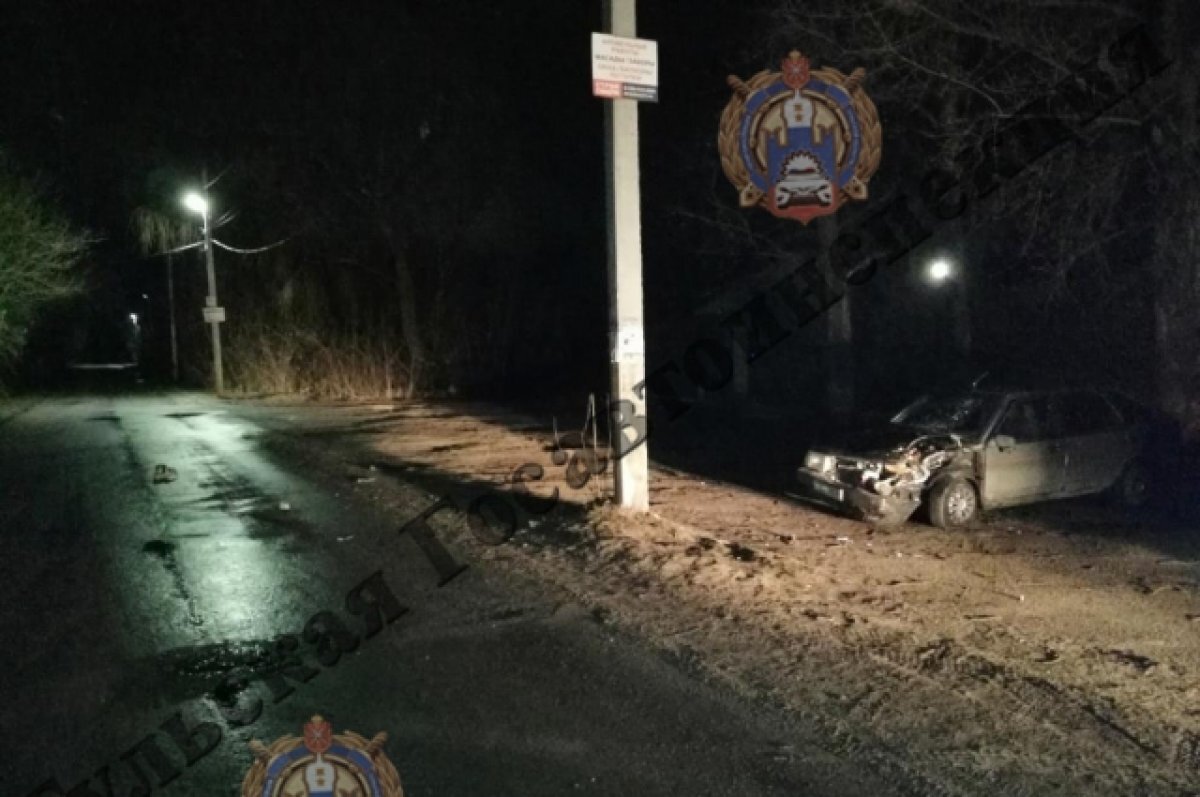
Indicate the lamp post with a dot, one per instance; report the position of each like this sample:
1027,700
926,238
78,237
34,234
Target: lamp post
198,203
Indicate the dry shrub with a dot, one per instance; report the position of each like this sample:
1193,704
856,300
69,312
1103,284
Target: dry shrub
295,359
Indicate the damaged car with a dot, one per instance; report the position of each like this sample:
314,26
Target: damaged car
979,450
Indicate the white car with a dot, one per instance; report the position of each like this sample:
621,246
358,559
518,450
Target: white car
984,449
805,186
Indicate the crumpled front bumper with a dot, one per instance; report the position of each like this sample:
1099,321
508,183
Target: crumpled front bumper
818,488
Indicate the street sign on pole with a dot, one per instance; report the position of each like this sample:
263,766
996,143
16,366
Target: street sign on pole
624,68
214,315
627,344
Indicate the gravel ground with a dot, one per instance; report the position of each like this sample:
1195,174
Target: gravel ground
1047,651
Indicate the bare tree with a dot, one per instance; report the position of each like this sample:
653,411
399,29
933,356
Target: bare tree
1175,139
39,252
949,77
159,233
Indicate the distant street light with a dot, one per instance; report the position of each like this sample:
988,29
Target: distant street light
198,203
940,270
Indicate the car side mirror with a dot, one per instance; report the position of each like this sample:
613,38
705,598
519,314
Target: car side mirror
1004,442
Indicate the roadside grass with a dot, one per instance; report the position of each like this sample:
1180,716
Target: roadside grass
297,360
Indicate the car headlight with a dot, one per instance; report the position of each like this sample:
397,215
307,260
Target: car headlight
821,463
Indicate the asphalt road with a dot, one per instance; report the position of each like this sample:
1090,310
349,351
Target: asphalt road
127,603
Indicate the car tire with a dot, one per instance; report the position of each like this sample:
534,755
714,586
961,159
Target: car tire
1132,490
953,503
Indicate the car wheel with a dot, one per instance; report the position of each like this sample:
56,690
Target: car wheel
953,502
1132,490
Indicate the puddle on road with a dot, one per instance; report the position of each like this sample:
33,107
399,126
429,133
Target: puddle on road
237,499
186,673
275,522
265,517
160,548
107,418
219,658
164,551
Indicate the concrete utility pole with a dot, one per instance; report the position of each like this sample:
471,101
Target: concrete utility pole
626,338
174,333
211,301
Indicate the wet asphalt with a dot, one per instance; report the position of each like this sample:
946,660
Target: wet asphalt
135,612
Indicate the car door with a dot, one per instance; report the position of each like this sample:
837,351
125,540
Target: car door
1032,467
1098,442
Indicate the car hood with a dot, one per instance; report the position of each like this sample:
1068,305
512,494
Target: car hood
878,442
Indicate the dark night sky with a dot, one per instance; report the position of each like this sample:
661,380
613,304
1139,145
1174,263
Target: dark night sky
111,104
104,99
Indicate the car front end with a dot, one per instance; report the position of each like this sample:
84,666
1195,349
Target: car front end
883,488
845,484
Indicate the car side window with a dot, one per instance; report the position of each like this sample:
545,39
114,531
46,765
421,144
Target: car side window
1088,414
1024,420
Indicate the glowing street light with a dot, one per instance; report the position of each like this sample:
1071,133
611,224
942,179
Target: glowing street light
940,270
196,203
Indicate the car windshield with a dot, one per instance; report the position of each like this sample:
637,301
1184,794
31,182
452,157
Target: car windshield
959,414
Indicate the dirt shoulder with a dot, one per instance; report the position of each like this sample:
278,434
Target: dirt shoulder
1044,652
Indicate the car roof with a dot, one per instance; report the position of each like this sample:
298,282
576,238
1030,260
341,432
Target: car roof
1008,391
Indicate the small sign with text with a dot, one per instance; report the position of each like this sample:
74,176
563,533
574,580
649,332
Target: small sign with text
624,68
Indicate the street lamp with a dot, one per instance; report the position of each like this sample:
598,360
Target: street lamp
940,270
195,202
198,204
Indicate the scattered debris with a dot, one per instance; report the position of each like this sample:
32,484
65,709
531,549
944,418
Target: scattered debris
1143,664
1141,585
741,552
164,475
347,538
